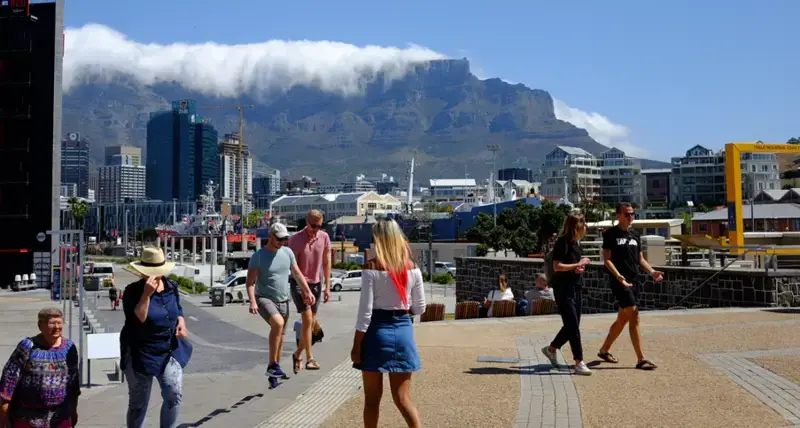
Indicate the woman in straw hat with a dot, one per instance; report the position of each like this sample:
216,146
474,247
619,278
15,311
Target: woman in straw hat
153,343
391,291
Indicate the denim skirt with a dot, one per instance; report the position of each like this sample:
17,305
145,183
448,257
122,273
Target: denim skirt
388,345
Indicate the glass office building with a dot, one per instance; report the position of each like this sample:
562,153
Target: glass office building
181,153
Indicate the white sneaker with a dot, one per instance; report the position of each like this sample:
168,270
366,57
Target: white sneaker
582,369
550,356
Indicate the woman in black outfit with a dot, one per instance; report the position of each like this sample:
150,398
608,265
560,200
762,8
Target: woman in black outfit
568,267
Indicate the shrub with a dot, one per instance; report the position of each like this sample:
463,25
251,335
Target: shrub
482,250
443,278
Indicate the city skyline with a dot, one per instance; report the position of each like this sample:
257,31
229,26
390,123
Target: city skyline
698,75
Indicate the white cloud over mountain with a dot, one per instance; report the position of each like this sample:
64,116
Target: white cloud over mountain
96,51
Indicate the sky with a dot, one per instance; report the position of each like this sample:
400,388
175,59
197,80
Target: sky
653,78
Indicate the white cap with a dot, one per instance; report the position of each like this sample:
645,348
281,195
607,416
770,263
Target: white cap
279,230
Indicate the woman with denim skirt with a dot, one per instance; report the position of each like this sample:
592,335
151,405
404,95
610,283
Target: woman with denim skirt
153,343
391,293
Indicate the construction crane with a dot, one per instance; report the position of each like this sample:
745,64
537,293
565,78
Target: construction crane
240,108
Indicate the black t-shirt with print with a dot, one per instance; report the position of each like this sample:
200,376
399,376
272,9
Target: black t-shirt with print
567,253
625,247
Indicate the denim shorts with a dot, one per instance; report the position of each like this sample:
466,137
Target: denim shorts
388,345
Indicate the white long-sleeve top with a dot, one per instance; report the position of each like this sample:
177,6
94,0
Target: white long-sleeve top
379,292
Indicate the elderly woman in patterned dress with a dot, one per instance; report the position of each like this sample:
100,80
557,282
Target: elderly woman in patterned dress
40,384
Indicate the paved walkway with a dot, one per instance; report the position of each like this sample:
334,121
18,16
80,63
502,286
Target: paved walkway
718,368
710,374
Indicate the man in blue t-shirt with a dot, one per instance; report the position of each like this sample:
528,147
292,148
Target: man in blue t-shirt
268,290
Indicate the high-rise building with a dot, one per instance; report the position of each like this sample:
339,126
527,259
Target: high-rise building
620,179
31,53
135,154
571,173
121,180
75,163
266,189
182,154
230,170
507,174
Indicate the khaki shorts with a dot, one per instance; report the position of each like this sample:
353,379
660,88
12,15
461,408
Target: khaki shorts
267,309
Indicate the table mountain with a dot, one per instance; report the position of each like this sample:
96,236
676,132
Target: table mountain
438,109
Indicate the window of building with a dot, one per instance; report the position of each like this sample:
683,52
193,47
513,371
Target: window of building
703,227
662,231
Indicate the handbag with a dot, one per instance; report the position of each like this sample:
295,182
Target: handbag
317,334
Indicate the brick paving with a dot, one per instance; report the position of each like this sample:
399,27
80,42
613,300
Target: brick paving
775,391
320,401
548,398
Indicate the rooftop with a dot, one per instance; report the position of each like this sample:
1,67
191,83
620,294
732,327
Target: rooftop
574,151
453,182
762,211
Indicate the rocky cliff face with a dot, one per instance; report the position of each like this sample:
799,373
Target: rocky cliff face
440,110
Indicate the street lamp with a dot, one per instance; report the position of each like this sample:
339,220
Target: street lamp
494,148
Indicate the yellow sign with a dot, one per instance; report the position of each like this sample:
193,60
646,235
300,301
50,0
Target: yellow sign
759,147
733,179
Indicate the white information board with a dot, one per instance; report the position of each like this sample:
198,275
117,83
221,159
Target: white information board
102,346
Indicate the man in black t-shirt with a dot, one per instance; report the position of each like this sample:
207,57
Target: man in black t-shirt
622,253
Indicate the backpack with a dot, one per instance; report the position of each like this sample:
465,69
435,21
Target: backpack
548,266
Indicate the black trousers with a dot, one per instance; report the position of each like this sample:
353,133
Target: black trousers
568,299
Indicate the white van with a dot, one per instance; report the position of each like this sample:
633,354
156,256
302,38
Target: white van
235,286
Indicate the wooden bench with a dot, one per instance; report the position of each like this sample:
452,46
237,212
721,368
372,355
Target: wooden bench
542,307
433,312
467,310
504,308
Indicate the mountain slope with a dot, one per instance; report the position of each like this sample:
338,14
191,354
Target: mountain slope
439,109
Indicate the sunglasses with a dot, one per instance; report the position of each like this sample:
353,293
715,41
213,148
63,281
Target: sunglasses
629,215
315,226
282,239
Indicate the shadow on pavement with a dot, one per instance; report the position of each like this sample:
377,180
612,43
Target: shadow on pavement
217,412
595,365
537,370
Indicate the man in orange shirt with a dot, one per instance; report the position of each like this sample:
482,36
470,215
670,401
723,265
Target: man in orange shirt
312,248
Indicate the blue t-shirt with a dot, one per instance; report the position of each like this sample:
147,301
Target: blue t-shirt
273,273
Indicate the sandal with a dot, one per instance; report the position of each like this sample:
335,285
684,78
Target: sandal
607,357
298,363
646,365
312,365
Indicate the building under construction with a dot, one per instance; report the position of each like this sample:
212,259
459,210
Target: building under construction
230,170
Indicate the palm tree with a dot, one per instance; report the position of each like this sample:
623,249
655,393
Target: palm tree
79,209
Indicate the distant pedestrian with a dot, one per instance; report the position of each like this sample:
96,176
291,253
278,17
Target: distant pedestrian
312,249
113,296
391,290
153,340
622,252
268,289
568,268
40,384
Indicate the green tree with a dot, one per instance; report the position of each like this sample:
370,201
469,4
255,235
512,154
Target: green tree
79,209
485,232
550,219
519,227
252,218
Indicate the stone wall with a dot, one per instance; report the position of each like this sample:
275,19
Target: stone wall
732,288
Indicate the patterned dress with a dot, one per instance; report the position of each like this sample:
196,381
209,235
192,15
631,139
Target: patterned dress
41,384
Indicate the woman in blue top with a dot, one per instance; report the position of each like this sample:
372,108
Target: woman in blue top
153,341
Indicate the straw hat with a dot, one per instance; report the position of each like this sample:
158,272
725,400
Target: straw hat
152,263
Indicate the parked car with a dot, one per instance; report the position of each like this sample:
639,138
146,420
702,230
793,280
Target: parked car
235,286
445,267
347,281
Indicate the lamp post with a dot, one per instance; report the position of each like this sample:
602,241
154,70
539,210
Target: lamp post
494,148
